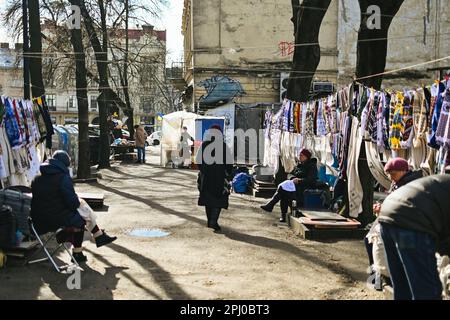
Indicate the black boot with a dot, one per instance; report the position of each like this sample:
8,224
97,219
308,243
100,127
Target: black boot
283,217
269,205
104,239
79,257
214,215
208,216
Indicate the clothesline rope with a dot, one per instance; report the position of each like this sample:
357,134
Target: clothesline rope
404,68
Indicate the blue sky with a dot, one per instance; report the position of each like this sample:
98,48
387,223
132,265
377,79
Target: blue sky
170,21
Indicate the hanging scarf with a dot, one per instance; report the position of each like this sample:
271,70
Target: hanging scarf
397,122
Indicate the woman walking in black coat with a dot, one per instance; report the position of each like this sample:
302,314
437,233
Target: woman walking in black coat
215,162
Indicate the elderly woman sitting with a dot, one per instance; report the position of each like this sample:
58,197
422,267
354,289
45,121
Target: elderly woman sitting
55,204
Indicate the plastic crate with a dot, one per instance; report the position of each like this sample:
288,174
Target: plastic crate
313,199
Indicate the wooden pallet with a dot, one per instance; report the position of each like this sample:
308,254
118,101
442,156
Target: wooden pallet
311,232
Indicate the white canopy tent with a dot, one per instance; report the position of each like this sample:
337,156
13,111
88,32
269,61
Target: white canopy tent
172,127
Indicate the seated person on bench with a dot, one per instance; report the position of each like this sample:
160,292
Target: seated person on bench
55,205
286,193
306,171
304,176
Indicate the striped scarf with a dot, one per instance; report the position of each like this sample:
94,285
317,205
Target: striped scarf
397,126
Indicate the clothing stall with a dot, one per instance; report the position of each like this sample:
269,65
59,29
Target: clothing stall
413,124
24,126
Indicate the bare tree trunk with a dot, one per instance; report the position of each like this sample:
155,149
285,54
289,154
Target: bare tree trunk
130,113
373,42
307,20
371,60
101,57
84,165
37,83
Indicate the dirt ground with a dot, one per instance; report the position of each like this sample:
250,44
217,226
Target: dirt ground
254,257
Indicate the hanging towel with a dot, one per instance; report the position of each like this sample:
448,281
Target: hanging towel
443,129
355,191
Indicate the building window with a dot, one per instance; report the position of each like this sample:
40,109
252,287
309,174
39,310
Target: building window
147,105
94,105
72,102
51,102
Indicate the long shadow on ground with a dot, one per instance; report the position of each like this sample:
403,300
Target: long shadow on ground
237,236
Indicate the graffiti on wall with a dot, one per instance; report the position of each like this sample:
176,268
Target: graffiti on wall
286,48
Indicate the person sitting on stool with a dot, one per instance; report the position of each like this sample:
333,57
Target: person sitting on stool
55,204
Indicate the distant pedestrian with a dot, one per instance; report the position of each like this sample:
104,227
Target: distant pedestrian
140,136
185,149
216,164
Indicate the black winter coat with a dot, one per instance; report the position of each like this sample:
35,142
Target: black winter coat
422,205
307,171
213,177
54,203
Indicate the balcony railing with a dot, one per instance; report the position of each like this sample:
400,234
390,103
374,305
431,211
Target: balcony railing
176,71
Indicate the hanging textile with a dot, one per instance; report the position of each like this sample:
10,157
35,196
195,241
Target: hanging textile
436,114
443,128
376,165
391,124
355,191
407,134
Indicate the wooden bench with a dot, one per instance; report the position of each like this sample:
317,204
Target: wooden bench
94,200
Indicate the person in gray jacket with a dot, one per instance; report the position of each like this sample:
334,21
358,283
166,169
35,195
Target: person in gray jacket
415,224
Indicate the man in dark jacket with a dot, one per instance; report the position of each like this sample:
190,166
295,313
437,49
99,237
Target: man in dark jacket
415,224
305,175
215,162
399,172
55,204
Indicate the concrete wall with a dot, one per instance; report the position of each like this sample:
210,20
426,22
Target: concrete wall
11,82
235,37
411,41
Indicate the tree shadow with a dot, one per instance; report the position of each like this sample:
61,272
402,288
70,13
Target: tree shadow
126,275
94,285
294,250
134,177
237,236
150,203
162,277
12,276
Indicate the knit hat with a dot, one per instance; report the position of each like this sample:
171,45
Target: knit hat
217,127
396,164
62,156
306,153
